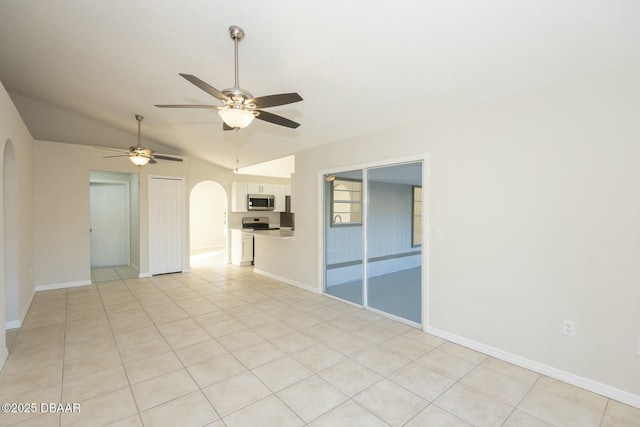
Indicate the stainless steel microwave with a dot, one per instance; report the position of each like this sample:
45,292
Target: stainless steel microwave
261,202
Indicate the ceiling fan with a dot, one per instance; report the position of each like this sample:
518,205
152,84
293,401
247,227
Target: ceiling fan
240,107
139,155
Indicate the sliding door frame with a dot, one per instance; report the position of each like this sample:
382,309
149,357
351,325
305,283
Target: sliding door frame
426,217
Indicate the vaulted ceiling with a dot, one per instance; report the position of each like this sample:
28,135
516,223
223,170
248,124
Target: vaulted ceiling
78,70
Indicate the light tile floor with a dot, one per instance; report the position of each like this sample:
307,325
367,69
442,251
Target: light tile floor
224,347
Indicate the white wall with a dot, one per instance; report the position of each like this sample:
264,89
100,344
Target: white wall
538,197
14,131
61,197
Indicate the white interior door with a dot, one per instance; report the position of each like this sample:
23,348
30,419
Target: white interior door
109,206
166,225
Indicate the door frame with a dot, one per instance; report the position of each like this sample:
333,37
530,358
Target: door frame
426,217
183,205
127,207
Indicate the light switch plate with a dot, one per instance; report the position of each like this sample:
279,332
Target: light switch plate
439,235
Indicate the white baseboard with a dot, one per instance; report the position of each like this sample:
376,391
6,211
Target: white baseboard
143,275
12,324
64,285
567,377
287,281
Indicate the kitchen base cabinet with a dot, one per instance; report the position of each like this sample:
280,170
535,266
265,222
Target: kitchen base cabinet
241,247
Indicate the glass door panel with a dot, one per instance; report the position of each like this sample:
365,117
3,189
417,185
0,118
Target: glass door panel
343,235
394,230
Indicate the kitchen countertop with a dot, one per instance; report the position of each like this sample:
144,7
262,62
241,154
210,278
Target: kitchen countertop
283,233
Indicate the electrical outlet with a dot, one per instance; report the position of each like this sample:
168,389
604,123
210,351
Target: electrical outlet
569,328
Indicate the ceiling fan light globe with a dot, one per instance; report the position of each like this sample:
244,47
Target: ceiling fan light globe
139,160
236,118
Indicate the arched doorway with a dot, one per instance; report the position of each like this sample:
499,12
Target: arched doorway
208,225
10,231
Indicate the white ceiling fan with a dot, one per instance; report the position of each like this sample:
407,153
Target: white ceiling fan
239,106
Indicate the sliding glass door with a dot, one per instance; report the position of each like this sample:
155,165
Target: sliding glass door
343,235
373,231
394,219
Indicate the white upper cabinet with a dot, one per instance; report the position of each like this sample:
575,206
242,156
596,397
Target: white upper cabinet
259,188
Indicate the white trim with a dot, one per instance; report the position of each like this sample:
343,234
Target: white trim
365,238
144,275
64,285
322,233
288,281
426,242
550,371
13,324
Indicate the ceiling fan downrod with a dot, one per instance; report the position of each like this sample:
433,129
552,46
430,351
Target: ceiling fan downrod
139,118
237,34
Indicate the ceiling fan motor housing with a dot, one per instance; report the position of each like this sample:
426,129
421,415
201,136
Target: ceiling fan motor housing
239,97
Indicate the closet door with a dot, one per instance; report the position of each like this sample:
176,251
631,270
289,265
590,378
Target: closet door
166,225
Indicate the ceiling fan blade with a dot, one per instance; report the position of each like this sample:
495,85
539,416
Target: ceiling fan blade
161,157
275,100
275,119
112,149
206,87
185,106
152,161
120,155
226,126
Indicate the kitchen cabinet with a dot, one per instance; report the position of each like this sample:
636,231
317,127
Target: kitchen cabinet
259,188
239,191
280,192
241,247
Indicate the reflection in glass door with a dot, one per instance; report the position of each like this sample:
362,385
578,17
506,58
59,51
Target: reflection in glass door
343,235
394,247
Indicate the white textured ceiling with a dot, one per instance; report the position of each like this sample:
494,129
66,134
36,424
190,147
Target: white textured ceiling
79,70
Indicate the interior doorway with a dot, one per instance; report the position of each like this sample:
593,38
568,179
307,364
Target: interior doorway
373,222
114,206
208,219
109,203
